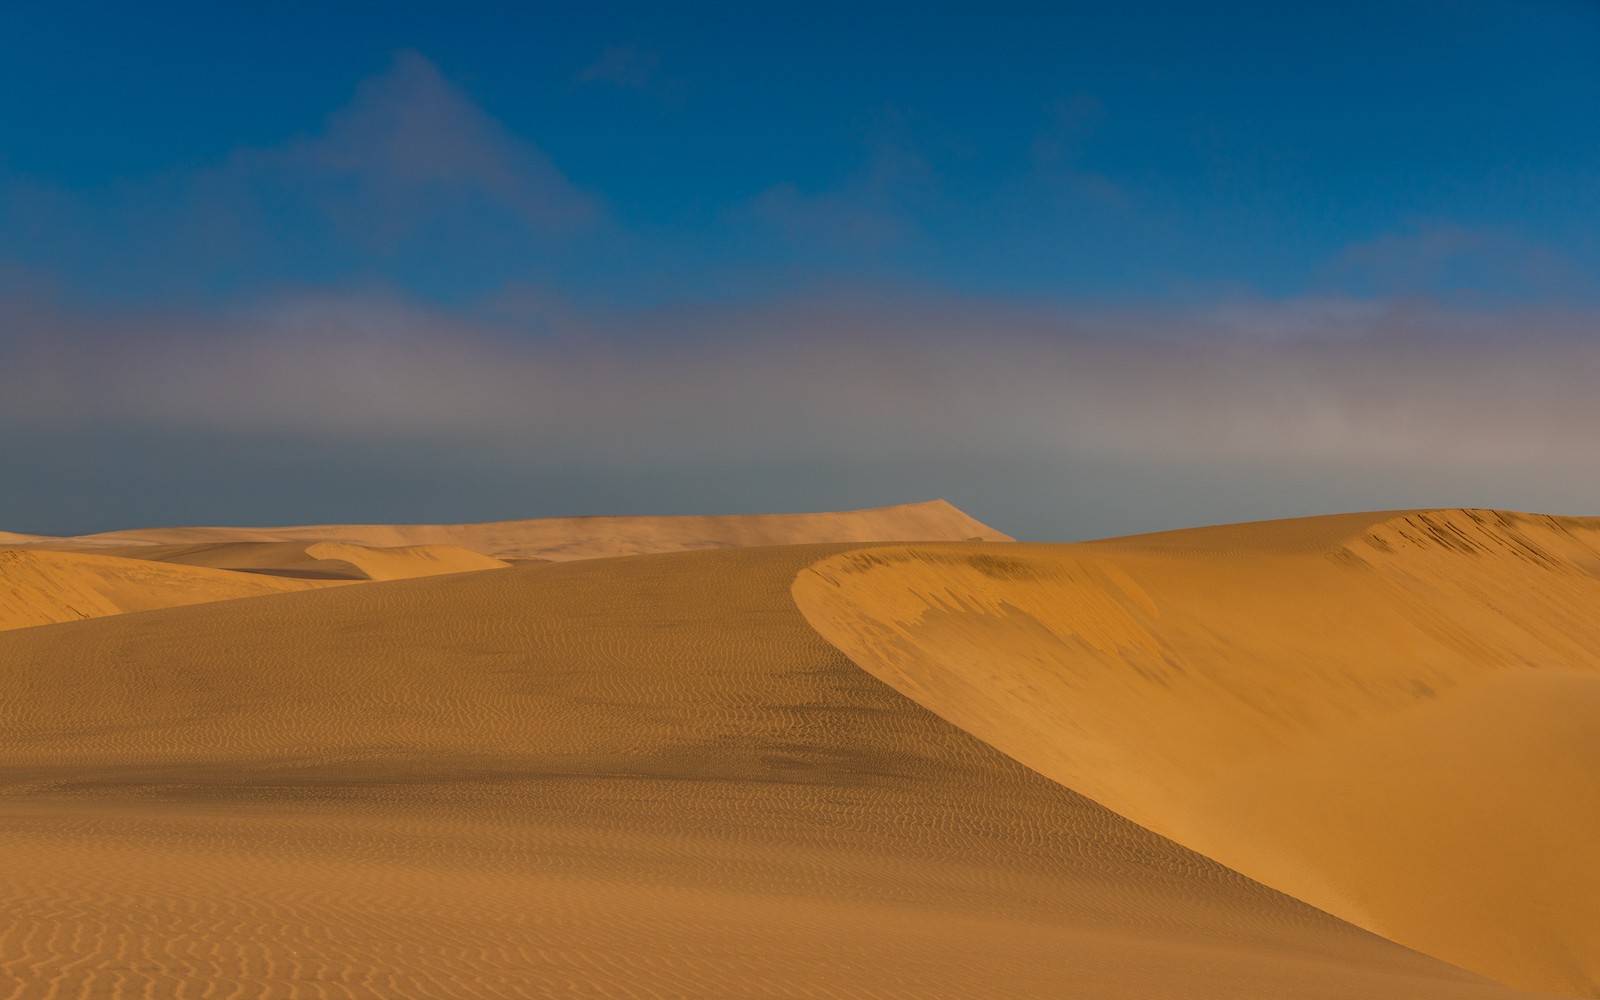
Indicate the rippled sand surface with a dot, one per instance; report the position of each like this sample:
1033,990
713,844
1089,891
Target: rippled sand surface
669,775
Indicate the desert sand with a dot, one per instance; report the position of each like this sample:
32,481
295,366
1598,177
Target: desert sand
42,587
315,560
9,537
563,538
1158,767
1394,717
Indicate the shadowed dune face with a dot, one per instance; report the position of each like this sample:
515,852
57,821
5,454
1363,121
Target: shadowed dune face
565,538
1394,717
632,777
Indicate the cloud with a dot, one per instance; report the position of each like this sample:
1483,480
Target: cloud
873,209
409,132
1448,260
1060,161
622,66
1052,422
409,179
1393,390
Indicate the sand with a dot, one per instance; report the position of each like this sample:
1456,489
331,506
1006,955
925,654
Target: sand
314,560
60,579
9,537
50,581
628,777
565,538
1394,717
40,587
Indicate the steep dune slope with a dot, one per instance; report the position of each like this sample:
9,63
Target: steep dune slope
1395,716
642,777
40,587
566,538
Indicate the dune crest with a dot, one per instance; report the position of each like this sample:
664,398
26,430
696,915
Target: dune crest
565,538
48,590
10,537
1392,716
309,560
41,587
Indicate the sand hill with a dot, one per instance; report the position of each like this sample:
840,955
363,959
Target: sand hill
566,538
58,580
44,586
633,777
1395,717
11,537
314,560
40,587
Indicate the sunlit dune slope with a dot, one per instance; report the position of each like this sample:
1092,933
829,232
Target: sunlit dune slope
1395,717
566,538
638,777
313,560
9,537
40,587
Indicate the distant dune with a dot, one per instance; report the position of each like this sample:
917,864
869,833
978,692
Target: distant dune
43,589
1395,717
565,538
61,580
324,560
39,587
640,777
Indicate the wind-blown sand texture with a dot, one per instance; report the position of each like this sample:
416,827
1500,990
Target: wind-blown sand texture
564,538
1394,717
668,775
633,777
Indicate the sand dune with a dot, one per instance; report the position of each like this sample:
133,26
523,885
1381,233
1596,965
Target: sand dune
44,589
566,538
40,587
314,560
9,537
1395,717
637,777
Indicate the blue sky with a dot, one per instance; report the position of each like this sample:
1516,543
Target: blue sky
1260,221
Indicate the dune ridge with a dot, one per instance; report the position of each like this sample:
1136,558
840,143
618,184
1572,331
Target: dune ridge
564,538
324,560
1393,716
642,777
8,537
47,590
41,587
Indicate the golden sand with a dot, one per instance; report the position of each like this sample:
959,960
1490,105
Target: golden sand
668,775
562,538
40,587
1394,717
